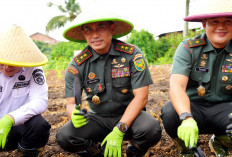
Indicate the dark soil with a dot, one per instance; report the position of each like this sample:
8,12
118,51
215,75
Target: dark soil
158,95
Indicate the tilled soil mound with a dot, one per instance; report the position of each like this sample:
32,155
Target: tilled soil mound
158,95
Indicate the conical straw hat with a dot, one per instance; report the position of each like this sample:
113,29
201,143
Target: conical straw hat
18,49
211,9
97,14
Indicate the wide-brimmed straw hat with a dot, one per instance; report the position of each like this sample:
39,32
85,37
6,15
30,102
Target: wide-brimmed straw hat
211,9
18,49
97,14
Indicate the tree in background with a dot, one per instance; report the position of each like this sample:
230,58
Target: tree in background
71,8
145,41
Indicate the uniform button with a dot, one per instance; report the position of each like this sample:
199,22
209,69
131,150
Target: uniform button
106,68
108,84
110,100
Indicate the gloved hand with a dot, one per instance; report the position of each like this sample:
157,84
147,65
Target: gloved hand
6,122
188,132
113,143
229,127
79,118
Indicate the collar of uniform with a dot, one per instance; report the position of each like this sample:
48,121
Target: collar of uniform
208,46
112,52
228,47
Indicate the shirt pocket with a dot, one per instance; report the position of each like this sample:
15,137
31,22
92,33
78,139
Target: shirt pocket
226,83
198,78
122,88
20,92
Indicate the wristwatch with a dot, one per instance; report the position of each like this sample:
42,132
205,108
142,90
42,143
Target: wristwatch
185,115
122,127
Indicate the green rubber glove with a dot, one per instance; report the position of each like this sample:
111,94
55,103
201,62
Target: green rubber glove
78,118
113,143
6,122
188,132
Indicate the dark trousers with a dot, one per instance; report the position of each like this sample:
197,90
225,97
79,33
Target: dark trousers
145,132
34,133
210,118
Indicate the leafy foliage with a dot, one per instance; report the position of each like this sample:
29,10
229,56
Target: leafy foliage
159,51
61,54
44,47
71,8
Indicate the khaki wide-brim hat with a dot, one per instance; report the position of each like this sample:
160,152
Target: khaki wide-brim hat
18,49
97,14
211,9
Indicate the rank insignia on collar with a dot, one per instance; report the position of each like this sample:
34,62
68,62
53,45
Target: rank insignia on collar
80,58
125,48
196,42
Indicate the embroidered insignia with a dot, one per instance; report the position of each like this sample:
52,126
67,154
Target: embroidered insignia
121,72
139,64
18,85
91,75
196,42
99,87
229,87
38,76
224,78
21,77
80,58
204,56
72,70
119,66
203,64
89,90
125,48
114,61
137,56
0,88
123,60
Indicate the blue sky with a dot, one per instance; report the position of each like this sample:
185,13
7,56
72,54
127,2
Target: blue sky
155,16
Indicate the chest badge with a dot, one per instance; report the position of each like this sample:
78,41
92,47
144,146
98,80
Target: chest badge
203,63
123,60
96,100
91,75
204,56
21,77
114,61
119,66
224,78
201,90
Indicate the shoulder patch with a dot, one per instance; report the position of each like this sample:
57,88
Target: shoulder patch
80,58
125,48
72,70
196,42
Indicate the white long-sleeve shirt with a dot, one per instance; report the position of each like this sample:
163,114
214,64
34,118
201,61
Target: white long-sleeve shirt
23,95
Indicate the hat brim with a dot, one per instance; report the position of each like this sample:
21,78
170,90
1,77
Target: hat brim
74,33
23,64
200,17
